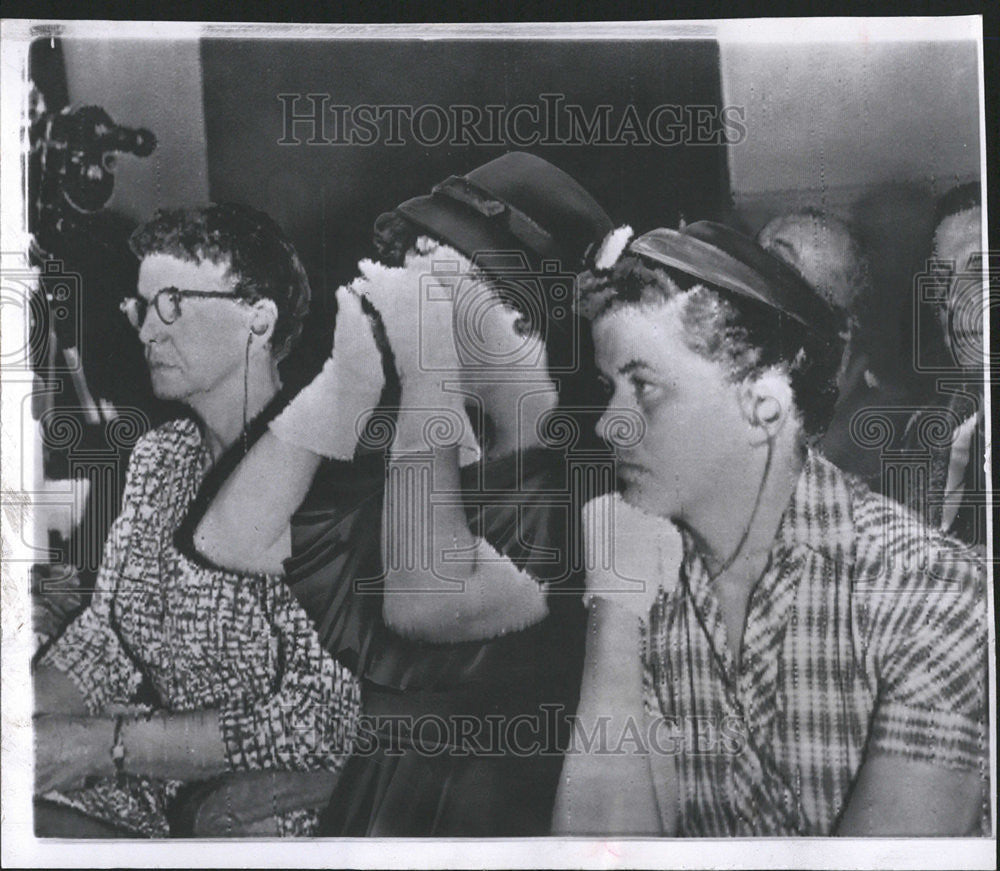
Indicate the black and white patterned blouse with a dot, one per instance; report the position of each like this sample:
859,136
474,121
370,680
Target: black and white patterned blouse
199,638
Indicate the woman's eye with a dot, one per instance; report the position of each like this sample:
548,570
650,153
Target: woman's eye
605,386
644,389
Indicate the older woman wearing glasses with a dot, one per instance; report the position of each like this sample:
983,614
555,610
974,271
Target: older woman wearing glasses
179,672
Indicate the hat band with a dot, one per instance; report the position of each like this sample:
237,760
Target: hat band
711,264
518,224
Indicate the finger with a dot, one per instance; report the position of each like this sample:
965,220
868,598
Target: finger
328,416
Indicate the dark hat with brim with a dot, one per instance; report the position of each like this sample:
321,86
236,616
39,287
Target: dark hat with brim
515,202
719,255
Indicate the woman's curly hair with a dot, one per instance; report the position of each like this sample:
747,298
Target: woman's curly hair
394,235
747,337
262,261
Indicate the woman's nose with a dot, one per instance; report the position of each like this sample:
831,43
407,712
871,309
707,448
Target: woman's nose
621,427
604,421
152,326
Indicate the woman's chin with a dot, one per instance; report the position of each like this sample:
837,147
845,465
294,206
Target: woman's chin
639,496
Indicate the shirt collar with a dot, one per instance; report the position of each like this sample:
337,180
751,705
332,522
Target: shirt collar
818,517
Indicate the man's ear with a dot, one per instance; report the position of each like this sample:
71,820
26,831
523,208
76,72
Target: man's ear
767,403
263,318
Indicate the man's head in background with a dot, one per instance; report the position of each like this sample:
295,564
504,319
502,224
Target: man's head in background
957,251
827,253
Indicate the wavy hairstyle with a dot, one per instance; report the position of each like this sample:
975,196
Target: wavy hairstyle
745,336
262,261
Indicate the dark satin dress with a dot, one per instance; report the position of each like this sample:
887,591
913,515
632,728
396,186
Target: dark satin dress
461,739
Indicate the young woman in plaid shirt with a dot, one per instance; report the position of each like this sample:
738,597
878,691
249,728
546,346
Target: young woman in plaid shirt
806,657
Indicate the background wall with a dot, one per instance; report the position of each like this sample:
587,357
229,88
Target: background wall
827,123
327,197
871,131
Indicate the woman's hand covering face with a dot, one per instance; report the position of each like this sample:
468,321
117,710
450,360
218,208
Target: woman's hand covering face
329,414
416,304
442,320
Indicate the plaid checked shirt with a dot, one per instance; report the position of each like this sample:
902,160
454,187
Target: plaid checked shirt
866,634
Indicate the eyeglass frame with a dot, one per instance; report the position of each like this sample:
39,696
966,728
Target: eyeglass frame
177,294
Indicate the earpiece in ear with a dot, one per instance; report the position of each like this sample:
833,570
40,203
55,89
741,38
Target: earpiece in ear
766,410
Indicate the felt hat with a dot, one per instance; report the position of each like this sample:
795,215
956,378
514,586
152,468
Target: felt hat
517,202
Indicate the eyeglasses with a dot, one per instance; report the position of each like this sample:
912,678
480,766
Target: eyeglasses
167,303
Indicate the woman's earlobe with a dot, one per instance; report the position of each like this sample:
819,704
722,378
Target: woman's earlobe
766,419
766,400
265,317
767,411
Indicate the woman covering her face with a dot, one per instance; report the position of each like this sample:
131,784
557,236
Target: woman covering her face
437,547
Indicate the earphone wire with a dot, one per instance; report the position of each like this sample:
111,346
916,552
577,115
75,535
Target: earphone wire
768,763
728,562
246,390
728,681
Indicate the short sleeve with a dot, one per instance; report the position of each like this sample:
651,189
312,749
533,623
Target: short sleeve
931,656
652,648
309,720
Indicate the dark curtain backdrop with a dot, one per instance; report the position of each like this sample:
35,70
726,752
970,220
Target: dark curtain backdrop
327,196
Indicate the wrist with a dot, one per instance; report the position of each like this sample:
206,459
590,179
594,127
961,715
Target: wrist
328,416
430,419
614,660
613,609
102,732
133,741
617,633
425,391
118,747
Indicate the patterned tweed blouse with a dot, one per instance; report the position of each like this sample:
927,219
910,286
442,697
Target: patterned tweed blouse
163,628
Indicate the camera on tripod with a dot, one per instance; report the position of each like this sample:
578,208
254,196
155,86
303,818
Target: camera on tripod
76,149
